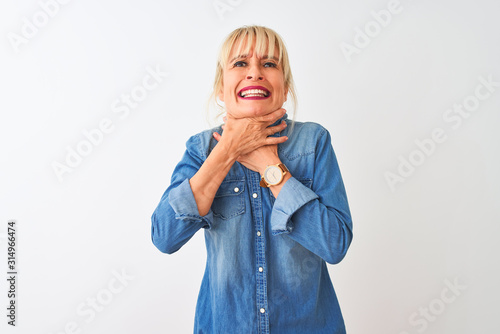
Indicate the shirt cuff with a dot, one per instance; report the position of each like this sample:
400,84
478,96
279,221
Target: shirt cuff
293,195
182,201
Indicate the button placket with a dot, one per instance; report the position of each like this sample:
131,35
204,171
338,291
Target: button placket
260,251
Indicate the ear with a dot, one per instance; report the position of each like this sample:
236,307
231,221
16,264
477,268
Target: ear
221,94
286,94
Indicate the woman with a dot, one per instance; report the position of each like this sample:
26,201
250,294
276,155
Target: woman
271,201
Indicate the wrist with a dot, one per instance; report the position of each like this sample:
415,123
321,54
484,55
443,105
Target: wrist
274,175
228,151
286,177
268,163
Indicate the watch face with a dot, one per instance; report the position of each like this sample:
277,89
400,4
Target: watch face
273,175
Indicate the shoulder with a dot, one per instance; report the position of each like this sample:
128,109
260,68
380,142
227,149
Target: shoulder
304,138
306,129
307,132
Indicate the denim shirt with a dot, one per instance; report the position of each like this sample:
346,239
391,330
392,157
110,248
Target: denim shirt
265,269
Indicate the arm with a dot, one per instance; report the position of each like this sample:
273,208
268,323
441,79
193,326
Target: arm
176,218
185,206
318,218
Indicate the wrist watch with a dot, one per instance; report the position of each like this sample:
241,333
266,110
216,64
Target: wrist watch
273,175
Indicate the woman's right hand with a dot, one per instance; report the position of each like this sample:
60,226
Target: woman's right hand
240,137
244,135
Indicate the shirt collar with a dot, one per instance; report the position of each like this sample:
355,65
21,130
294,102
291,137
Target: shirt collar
284,118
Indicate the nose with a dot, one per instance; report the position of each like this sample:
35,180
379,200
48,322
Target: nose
250,77
254,73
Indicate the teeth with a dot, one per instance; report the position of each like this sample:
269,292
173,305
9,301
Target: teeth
254,92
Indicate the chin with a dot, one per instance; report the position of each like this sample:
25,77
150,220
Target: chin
260,111
248,113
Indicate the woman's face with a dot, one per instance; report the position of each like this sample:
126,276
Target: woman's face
252,85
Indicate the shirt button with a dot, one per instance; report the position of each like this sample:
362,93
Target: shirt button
261,269
255,195
258,233
262,310
236,189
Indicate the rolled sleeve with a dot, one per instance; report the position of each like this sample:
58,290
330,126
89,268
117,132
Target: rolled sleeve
184,205
292,197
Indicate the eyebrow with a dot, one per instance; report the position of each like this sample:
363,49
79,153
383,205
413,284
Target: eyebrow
245,56
238,57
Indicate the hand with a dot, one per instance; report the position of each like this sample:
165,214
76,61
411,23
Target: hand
247,139
260,158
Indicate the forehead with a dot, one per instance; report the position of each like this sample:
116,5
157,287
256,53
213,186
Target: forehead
245,47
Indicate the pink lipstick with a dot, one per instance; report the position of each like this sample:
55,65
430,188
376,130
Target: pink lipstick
254,93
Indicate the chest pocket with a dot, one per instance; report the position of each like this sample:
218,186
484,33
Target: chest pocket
229,200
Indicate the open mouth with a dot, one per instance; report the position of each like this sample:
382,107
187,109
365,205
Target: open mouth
254,92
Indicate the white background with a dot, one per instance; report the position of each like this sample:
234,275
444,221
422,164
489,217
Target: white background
439,225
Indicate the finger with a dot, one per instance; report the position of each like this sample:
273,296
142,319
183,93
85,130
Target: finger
216,136
274,116
276,140
277,128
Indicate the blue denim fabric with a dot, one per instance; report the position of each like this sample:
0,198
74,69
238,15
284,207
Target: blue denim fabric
266,257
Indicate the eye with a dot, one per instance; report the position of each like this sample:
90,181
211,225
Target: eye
270,64
240,64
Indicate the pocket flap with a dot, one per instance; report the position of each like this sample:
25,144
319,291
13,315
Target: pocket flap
231,188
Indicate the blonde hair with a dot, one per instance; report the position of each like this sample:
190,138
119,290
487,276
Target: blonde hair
265,39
